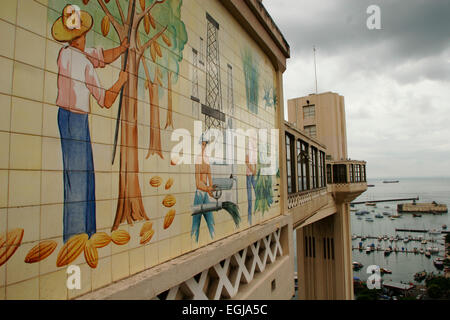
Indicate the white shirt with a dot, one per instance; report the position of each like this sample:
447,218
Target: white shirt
77,79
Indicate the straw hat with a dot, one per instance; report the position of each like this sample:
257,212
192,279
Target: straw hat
72,24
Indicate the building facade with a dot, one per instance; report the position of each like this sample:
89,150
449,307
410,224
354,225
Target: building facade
123,173
321,183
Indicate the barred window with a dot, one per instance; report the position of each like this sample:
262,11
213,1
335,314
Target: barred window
311,131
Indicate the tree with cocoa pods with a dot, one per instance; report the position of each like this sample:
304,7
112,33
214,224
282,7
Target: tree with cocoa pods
157,40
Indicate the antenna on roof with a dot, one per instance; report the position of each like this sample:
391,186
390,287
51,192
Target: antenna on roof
315,67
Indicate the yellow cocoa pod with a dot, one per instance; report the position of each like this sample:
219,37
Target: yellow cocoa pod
166,40
155,181
105,26
91,254
152,20
41,251
146,227
168,219
147,25
169,184
120,237
142,3
71,250
10,244
153,51
100,239
158,49
147,236
169,201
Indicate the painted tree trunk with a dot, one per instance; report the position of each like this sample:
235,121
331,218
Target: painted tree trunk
155,130
130,206
169,121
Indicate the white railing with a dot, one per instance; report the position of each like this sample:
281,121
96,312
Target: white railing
223,279
298,199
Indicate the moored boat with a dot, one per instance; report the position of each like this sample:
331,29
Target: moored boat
439,263
419,276
357,265
384,270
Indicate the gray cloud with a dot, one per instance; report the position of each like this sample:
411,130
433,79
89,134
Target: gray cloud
395,81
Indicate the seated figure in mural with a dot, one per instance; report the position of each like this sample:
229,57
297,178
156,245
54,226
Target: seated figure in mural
77,81
203,182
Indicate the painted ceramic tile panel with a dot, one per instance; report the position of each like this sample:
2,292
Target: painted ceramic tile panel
118,187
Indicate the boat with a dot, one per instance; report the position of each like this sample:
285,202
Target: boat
391,181
444,227
421,251
369,219
379,215
385,238
368,249
434,250
396,216
439,263
384,270
363,238
357,265
428,254
354,237
424,241
353,210
387,251
371,204
406,240
371,185
434,231
417,215
419,276
385,213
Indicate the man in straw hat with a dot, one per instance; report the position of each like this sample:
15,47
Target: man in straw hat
77,81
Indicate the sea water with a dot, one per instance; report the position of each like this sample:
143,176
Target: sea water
402,265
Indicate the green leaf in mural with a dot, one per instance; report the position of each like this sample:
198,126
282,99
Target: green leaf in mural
251,75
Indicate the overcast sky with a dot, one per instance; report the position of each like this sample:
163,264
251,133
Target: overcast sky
396,81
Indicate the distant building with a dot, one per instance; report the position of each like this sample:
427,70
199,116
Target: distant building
321,182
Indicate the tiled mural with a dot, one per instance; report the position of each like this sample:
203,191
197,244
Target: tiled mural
95,96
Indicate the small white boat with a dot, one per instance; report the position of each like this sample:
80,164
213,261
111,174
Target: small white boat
424,241
368,249
434,250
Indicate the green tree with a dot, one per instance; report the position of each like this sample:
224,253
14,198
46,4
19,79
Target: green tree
157,41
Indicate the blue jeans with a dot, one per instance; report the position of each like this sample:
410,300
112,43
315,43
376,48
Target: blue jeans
251,182
79,178
202,197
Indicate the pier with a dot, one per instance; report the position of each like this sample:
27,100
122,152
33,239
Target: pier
386,200
410,230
